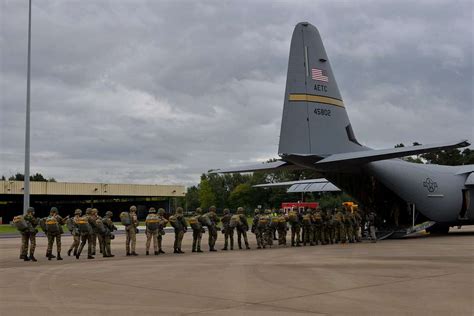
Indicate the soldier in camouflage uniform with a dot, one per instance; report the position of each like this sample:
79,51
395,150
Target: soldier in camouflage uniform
29,236
86,235
198,229
268,230
307,228
348,225
328,227
131,232
371,218
294,219
340,234
109,225
227,230
242,228
152,223
212,228
281,227
357,225
161,229
180,227
257,230
76,236
95,234
318,223
54,235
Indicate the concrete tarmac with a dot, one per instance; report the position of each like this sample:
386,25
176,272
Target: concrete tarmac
430,275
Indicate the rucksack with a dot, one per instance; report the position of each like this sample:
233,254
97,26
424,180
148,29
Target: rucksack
175,222
152,222
52,225
83,225
263,221
99,225
125,218
235,221
205,220
20,223
318,218
293,217
195,223
307,219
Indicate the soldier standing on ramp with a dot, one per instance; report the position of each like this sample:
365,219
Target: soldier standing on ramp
161,230
197,227
152,223
242,228
74,229
227,230
131,231
54,230
28,235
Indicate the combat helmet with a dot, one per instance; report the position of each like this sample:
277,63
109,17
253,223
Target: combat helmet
240,210
54,210
256,211
179,211
268,211
88,211
78,212
198,211
133,208
212,209
161,211
30,210
226,211
152,210
109,214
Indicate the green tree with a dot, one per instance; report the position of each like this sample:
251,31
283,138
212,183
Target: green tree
242,195
192,198
207,197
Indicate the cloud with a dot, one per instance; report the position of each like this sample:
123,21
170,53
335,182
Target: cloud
160,92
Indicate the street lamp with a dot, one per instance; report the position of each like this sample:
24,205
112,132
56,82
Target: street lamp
26,180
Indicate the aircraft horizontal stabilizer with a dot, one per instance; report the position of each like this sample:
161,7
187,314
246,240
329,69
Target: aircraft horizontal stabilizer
366,156
268,166
310,185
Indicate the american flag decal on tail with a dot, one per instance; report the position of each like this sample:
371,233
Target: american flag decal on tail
319,75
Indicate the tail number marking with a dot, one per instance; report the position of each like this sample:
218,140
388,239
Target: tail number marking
323,112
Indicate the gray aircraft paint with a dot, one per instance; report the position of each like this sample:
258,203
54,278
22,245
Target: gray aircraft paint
307,139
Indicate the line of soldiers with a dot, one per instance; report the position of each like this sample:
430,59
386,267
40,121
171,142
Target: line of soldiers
310,227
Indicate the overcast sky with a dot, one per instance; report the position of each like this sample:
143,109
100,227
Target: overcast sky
162,91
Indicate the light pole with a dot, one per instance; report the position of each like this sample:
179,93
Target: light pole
26,180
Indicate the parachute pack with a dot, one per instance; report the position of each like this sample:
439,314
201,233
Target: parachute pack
205,220
101,229
20,223
52,225
263,221
235,221
195,223
307,219
83,225
152,222
293,217
125,218
175,222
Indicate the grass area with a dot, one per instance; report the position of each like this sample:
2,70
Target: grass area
9,229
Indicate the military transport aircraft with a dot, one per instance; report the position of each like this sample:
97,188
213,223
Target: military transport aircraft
316,134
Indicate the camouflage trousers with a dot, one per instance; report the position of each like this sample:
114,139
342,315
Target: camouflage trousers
104,242
25,239
268,237
131,239
229,238
178,238
151,235
329,233
307,235
85,238
242,232
282,235
340,234
212,237
259,237
51,239
318,235
349,233
76,240
373,237
197,236
295,235
93,242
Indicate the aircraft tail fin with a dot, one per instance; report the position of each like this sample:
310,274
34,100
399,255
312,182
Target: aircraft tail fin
315,121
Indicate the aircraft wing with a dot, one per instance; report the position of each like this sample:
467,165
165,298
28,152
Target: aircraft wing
310,185
268,166
362,157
